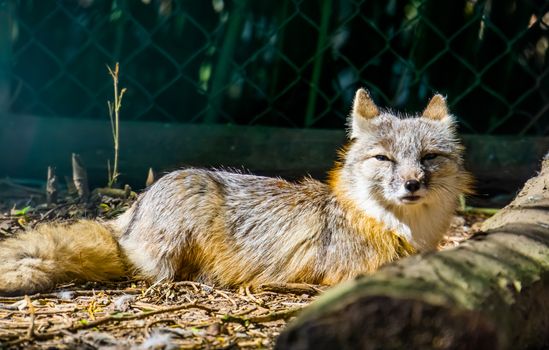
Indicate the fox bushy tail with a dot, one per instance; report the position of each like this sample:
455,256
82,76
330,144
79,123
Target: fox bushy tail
39,259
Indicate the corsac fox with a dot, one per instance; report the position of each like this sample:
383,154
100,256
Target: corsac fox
392,194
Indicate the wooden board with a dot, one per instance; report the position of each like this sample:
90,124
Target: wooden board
29,144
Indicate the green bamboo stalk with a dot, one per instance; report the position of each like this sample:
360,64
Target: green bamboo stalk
319,56
222,68
5,54
282,15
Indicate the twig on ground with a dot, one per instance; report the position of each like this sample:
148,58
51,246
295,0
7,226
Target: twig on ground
107,319
474,210
115,192
252,297
272,316
245,311
188,283
75,294
30,330
294,288
49,212
153,322
41,312
226,296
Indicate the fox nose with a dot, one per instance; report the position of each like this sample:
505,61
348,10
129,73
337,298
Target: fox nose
412,185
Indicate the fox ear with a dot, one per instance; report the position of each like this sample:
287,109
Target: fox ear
437,109
364,109
364,106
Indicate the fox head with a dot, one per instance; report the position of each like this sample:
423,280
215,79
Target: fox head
403,160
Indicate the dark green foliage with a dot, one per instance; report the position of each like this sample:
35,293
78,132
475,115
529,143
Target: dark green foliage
279,63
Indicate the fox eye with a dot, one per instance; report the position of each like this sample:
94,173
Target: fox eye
429,156
382,158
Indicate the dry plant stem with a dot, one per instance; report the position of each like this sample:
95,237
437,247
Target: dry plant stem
195,286
80,177
50,312
30,330
482,211
75,294
32,311
294,288
51,187
31,335
116,192
114,115
127,191
250,295
47,214
276,315
154,322
150,177
70,186
272,316
245,311
192,284
100,321
226,296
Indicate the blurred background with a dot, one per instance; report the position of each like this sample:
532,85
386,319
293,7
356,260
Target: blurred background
282,63
288,63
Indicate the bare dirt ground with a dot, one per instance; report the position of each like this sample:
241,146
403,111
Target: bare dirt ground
136,315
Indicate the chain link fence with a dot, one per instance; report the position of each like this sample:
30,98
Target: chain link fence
284,63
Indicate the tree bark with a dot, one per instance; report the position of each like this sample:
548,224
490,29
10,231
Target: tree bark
490,292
